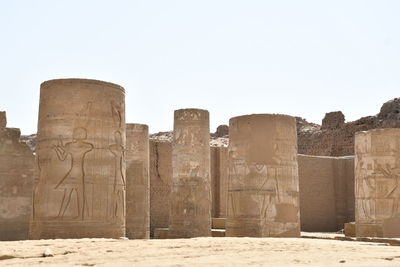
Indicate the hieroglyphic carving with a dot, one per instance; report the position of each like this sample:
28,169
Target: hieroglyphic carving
74,179
118,196
263,179
116,113
377,180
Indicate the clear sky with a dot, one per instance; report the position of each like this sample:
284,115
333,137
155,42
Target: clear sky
301,58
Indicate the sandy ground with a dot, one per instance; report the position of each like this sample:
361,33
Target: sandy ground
199,252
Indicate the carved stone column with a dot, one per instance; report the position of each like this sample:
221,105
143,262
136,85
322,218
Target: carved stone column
137,181
263,190
377,175
80,191
190,206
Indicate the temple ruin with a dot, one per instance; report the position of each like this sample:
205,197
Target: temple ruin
96,176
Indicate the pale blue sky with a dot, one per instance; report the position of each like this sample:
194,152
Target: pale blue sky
301,58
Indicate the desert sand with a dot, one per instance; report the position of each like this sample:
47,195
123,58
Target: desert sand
199,252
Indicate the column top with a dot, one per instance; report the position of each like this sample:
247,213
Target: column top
80,81
261,116
137,127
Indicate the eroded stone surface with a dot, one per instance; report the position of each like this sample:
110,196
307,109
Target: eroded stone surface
80,190
190,206
263,193
377,189
326,192
17,169
160,184
137,181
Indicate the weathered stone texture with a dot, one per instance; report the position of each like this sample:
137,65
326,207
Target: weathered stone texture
326,192
377,183
333,120
160,184
336,139
219,178
80,190
17,170
137,181
190,205
263,193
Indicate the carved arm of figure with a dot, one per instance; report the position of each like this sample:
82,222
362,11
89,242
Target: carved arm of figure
60,150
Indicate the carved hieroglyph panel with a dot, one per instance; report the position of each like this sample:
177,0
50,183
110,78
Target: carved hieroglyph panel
80,190
377,170
263,190
190,206
137,181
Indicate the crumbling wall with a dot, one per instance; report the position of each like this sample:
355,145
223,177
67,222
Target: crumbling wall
336,138
326,192
17,170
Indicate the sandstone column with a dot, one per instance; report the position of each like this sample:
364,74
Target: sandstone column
263,190
80,191
137,181
190,211
377,171
160,184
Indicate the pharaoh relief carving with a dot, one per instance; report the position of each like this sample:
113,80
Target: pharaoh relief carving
118,194
80,157
73,182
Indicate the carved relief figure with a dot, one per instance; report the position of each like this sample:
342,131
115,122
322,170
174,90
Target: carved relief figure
74,181
118,151
267,194
116,113
366,190
392,191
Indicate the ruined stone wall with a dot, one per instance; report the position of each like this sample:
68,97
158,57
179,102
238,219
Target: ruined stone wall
335,138
17,169
160,183
326,192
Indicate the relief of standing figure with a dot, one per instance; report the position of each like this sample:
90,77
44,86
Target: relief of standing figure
118,151
74,180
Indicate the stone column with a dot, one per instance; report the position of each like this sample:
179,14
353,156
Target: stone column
80,191
263,190
160,184
137,181
190,211
377,171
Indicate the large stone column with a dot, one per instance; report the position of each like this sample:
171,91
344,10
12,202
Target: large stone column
137,181
263,190
190,211
377,171
80,191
